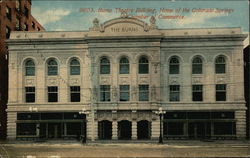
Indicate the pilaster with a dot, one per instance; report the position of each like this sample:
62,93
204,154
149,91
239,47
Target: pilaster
134,130
11,125
114,130
240,117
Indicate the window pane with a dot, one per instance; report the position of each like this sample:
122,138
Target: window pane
26,128
174,93
220,65
30,94
105,66
52,94
124,93
197,69
143,66
74,67
220,68
197,93
105,93
220,92
124,69
75,95
174,66
52,67
29,68
143,93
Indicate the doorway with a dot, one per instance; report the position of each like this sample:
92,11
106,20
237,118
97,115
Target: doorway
143,129
54,130
105,130
199,130
124,130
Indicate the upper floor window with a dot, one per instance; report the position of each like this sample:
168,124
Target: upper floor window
143,93
197,66
221,92
124,93
75,94
197,93
143,65
220,65
29,94
53,94
8,12
124,66
74,67
52,67
104,92
29,68
174,94
174,66
104,66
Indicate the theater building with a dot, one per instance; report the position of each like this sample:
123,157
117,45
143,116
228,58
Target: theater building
108,82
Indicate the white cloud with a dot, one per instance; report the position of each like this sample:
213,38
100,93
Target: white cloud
47,16
59,29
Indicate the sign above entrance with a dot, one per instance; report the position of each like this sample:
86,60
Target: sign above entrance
124,24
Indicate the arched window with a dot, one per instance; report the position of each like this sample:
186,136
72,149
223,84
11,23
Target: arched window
174,66
52,67
29,68
74,67
124,66
143,65
220,65
197,65
104,66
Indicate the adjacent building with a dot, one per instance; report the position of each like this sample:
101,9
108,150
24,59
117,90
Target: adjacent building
107,83
247,86
15,15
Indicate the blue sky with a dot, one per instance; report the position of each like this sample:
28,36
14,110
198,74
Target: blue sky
66,15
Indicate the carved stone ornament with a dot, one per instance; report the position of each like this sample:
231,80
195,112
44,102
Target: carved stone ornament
152,22
96,25
124,14
30,82
197,79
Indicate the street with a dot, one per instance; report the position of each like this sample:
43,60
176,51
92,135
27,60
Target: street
170,149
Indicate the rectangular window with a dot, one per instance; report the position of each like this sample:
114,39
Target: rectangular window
221,92
104,92
124,93
174,93
26,129
53,94
30,94
8,12
75,94
197,93
143,93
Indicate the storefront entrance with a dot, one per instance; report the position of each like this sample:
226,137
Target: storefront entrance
143,129
199,130
105,130
124,130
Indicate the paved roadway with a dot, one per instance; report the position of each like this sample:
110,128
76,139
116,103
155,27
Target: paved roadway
170,149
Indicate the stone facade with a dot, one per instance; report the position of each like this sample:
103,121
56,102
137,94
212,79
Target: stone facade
149,52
